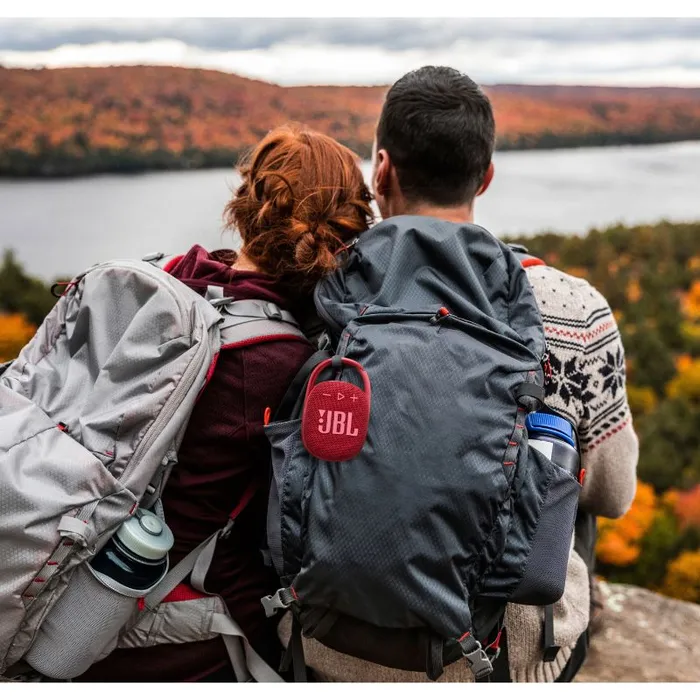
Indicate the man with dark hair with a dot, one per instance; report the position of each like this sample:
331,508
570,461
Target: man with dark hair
432,158
438,126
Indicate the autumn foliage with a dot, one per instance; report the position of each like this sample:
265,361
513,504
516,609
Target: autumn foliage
651,277
74,120
619,541
686,506
15,331
655,544
683,577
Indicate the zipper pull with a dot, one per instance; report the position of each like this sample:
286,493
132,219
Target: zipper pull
441,314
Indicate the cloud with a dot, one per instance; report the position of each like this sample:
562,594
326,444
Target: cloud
377,51
227,34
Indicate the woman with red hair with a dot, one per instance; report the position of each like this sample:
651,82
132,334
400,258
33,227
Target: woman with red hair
301,200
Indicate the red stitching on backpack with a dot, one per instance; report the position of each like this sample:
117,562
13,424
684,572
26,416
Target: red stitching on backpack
508,464
39,580
464,636
294,593
513,443
133,508
68,543
51,563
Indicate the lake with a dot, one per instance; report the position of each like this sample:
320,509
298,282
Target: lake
59,227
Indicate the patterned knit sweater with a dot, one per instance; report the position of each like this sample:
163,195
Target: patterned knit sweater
588,386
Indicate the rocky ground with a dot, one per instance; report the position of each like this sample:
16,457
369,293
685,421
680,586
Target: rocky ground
644,637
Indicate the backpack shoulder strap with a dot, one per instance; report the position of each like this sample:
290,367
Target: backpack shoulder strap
526,260
250,321
246,321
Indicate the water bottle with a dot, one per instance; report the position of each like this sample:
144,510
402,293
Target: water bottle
554,437
136,558
84,625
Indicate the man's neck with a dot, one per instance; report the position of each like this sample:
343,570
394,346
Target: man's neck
457,215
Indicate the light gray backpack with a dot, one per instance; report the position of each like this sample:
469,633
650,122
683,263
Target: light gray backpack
92,414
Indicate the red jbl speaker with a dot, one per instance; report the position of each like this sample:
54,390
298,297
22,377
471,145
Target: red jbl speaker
336,414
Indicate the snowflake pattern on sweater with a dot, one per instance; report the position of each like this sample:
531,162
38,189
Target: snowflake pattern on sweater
586,354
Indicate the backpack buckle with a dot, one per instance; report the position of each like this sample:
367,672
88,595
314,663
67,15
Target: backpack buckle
479,663
281,600
324,341
222,303
272,311
476,657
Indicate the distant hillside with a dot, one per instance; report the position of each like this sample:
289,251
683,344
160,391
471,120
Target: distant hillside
81,120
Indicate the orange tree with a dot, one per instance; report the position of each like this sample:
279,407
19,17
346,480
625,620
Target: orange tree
642,546
15,331
682,578
619,541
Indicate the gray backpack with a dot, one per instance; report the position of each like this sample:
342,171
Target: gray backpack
406,507
92,414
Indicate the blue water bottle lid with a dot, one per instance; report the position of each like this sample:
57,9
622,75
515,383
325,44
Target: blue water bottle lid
554,426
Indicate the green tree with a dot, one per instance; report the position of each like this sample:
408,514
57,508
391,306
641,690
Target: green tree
21,293
670,445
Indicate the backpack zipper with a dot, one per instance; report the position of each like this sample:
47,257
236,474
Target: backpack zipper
444,317
183,387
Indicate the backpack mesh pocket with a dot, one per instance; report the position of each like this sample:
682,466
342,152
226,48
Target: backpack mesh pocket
82,627
545,572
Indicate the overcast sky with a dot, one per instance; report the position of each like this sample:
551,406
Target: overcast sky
373,51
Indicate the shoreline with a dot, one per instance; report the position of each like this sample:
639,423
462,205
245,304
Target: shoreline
61,166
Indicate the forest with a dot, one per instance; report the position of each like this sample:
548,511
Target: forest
73,121
651,277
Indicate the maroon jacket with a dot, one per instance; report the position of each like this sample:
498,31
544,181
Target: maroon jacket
224,451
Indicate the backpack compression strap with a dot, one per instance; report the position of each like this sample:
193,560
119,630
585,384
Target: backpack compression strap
246,662
251,321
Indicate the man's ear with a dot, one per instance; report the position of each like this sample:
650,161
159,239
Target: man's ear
382,174
487,179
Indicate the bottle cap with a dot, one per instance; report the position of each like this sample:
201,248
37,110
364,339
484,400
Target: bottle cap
547,424
146,535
